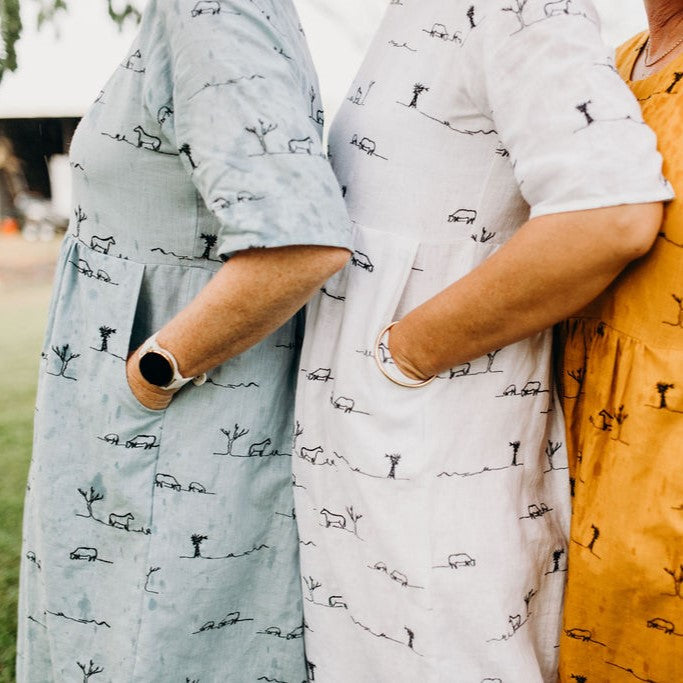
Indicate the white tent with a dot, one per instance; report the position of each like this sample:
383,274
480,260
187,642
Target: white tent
63,67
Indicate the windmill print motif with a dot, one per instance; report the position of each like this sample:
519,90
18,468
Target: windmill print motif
134,62
118,516
361,94
442,475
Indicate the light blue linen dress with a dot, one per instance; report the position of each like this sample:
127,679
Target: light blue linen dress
161,545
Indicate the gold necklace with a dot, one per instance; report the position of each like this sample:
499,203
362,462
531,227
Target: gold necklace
649,63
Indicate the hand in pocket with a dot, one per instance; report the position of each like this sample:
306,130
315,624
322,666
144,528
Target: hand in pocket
149,395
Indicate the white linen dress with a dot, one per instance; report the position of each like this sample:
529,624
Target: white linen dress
434,522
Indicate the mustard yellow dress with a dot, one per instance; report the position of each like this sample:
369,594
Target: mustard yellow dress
622,389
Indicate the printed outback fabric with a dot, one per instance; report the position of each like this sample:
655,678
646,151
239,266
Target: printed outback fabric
161,545
622,396
434,522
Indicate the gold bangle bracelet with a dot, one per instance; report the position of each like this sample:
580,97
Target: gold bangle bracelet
382,369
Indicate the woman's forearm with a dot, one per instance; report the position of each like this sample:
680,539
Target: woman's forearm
252,295
553,266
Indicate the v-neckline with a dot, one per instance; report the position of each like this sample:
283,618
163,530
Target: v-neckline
654,82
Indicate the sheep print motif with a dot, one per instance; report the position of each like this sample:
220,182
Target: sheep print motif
161,545
434,522
621,393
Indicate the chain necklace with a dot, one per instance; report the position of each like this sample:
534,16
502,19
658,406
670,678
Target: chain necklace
648,62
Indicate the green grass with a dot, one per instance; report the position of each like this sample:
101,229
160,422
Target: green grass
22,321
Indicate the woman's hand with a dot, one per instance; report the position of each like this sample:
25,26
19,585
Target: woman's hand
151,396
403,353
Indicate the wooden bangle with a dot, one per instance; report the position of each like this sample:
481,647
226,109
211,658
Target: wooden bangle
383,370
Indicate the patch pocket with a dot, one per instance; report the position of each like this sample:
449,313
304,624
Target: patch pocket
90,338
378,272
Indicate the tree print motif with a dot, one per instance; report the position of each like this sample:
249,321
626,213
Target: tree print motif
90,497
620,418
515,445
470,16
311,585
186,149
261,132
483,237
678,75
317,115
583,109
557,558
65,356
105,333
418,89
80,217
354,517
550,450
677,577
491,357
579,376
197,540
394,458
527,600
209,244
298,431
663,390
150,571
594,539
518,10
590,546
679,320
232,435
91,670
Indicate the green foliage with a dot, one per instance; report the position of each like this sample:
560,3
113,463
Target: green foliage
10,30
120,16
10,23
48,10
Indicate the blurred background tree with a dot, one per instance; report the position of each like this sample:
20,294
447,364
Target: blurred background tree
10,30
10,23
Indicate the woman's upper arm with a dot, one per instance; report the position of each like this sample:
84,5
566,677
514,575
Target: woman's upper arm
573,128
243,118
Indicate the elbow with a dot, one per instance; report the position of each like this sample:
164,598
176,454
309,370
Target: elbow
335,258
637,227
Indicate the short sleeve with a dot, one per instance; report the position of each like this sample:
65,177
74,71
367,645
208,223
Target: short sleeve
573,129
248,127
